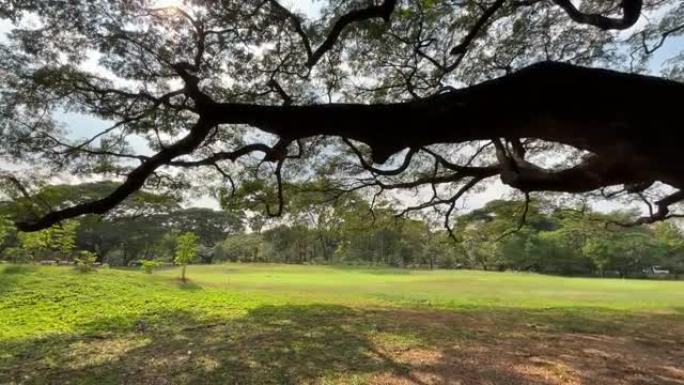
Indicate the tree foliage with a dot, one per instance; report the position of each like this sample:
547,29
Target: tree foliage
187,249
247,97
58,241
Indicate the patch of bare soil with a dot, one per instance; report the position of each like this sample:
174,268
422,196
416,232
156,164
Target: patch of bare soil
511,352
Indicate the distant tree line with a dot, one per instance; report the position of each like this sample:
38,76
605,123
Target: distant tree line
349,230
554,241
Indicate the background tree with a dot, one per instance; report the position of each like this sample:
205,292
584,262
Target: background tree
36,243
521,235
58,241
6,229
64,238
241,248
210,226
187,247
672,241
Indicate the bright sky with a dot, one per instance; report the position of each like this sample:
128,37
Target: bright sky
82,126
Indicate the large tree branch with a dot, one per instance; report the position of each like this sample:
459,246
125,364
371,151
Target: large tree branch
591,174
607,113
631,10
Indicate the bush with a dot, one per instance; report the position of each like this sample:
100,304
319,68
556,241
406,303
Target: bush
85,261
149,264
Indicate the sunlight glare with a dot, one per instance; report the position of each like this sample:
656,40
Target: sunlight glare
168,3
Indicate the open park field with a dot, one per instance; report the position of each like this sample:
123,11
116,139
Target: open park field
287,324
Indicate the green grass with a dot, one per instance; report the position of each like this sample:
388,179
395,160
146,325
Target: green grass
441,288
254,324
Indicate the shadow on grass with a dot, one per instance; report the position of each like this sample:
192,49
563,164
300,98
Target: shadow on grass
189,286
376,270
324,344
17,269
11,273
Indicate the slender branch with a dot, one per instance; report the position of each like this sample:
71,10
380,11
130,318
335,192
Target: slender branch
663,36
134,181
279,186
465,188
219,156
287,99
383,11
663,211
297,25
404,165
481,22
522,221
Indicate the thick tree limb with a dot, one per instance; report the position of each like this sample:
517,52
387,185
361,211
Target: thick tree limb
607,113
631,10
592,173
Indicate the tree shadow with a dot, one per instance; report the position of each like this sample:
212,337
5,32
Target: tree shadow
375,270
320,344
188,286
11,273
17,269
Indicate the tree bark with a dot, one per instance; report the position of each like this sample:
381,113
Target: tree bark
606,112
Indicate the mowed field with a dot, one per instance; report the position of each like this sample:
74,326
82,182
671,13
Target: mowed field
286,324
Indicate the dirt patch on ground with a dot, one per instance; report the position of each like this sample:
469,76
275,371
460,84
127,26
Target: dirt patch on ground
508,351
326,345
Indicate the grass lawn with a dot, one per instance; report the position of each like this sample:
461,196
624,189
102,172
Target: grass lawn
287,324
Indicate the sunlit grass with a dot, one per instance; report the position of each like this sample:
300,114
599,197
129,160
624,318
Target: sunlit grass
443,288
